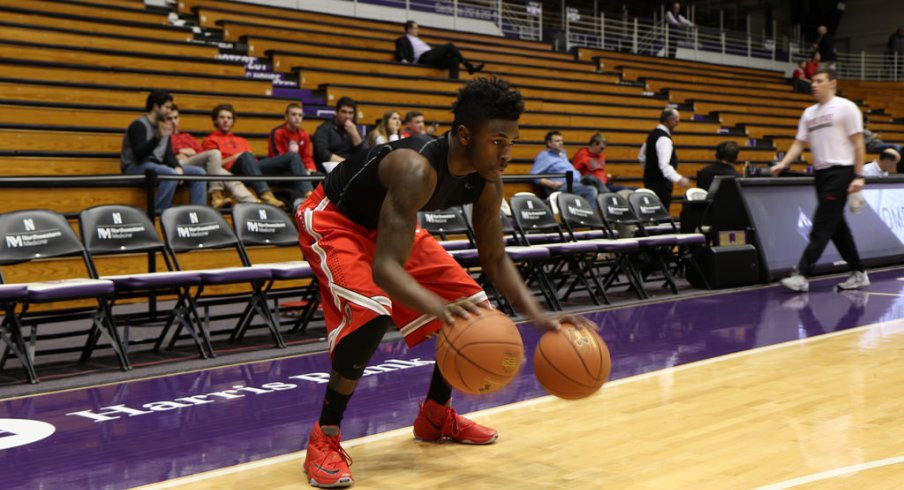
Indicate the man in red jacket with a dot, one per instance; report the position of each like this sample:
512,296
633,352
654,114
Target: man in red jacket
290,137
591,163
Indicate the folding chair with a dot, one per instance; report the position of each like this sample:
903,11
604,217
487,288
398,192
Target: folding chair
42,234
110,230
576,213
11,330
533,217
262,225
192,228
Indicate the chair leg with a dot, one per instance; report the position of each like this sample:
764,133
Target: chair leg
259,303
11,334
103,320
193,311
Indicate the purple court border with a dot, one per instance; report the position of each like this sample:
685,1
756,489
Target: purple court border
183,424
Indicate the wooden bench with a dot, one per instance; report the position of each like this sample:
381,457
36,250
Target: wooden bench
588,54
639,73
86,23
80,8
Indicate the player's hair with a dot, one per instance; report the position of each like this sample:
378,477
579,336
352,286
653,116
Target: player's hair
409,24
175,108
293,105
597,138
829,72
727,151
550,134
157,97
347,102
411,115
483,99
220,108
888,154
666,114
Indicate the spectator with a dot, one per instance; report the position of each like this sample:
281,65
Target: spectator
895,49
147,146
825,46
337,139
290,137
799,79
660,172
239,159
387,131
414,124
812,65
590,161
676,22
410,49
874,143
189,153
887,162
726,156
553,160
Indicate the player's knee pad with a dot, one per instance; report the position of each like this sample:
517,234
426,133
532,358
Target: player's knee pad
352,353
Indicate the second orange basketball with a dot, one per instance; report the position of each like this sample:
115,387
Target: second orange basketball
572,362
480,354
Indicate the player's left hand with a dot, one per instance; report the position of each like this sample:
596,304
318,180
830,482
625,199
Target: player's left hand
856,185
579,322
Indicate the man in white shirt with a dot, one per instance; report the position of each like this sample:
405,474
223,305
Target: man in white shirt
660,172
834,129
887,162
411,49
676,21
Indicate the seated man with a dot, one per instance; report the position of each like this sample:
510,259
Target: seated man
239,159
591,162
410,49
147,146
726,156
414,125
337,139
553,160
887,162
189,153
290,137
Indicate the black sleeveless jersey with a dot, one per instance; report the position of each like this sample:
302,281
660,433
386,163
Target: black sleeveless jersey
354,185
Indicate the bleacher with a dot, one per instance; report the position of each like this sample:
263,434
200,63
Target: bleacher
76,73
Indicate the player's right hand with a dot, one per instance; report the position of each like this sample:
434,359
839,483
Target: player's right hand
776,169
462,308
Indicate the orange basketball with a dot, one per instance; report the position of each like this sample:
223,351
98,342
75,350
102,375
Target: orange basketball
572,362
480,354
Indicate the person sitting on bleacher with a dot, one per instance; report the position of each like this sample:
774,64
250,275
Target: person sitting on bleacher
337,139
387,131
239,159
726,156
590,161
554,160
410,49
415,124
189,153
887,162
147,146
800,80
291,137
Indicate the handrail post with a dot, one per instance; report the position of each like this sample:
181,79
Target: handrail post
634,38
454,14
499,10
862,65
722,37
568,182
602,30
666,32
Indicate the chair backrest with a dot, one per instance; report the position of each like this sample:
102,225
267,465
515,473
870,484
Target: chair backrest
553,200
195,227
532,215
648,208
36,234
644,189
505,208
115,229
449,221
615,210
695,194
577,212
625,192
263,224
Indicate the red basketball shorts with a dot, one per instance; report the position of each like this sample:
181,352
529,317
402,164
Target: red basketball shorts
341,253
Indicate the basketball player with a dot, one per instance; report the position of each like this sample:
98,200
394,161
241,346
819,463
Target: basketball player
378,270
834,129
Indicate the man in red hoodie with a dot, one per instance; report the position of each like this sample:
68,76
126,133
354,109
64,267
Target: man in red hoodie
591,163
290,137
239,159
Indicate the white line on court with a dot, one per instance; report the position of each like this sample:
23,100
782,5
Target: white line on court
298,456
825,475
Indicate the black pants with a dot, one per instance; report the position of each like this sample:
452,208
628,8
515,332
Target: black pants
663,189
285,164
828,220
445,56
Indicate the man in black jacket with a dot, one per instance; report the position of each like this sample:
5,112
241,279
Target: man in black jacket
726,156
660,172
410,49
147,146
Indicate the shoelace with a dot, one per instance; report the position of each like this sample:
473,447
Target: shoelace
452,427
333,445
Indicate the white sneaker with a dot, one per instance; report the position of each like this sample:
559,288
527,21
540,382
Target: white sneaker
856,280
796,282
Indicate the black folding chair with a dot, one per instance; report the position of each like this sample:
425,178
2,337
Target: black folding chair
41,234
262,225
110,230
193,228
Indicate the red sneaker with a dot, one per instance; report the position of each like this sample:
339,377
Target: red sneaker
326,463
435,423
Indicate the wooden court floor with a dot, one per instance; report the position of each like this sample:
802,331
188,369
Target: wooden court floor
823,412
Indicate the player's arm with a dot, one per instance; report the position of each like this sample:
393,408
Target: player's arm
791,156
859,159
410,181
493,260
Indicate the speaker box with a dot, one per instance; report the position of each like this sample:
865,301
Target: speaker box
725,267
